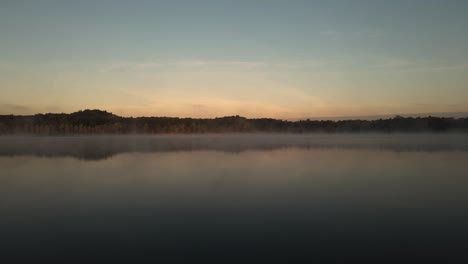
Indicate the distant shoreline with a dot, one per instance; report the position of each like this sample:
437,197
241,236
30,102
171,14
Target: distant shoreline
97,122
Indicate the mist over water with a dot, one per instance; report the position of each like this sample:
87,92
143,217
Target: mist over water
102,147
234,198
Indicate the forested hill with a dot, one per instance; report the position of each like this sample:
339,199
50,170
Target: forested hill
102,122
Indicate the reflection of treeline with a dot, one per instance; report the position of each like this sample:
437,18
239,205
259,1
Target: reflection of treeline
101,122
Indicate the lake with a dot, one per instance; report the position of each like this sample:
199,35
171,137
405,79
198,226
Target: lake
234,198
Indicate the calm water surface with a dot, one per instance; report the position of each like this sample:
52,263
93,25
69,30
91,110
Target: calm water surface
234,198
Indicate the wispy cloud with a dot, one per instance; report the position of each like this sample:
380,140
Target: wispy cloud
211,64
203,63
8,108
349,34
157,65
131,66
406,65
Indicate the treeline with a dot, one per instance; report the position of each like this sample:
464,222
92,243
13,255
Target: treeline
102,122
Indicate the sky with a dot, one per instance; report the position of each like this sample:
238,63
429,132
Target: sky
280,59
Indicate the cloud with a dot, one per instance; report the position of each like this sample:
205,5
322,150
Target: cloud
131,66
216,63
156,65
406,65
7,108
199,106
350,34
395,63
188,65
331,33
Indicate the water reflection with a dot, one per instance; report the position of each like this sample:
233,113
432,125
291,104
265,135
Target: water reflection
272,199
102,147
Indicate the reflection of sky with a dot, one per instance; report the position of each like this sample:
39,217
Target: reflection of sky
252,58
104,147
313,177
179,204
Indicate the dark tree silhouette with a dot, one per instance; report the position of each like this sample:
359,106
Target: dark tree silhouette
102,122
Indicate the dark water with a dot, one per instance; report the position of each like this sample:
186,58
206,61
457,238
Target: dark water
236,199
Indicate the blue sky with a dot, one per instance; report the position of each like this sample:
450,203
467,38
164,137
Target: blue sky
284,59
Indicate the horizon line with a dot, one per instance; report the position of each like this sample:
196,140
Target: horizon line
458,114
